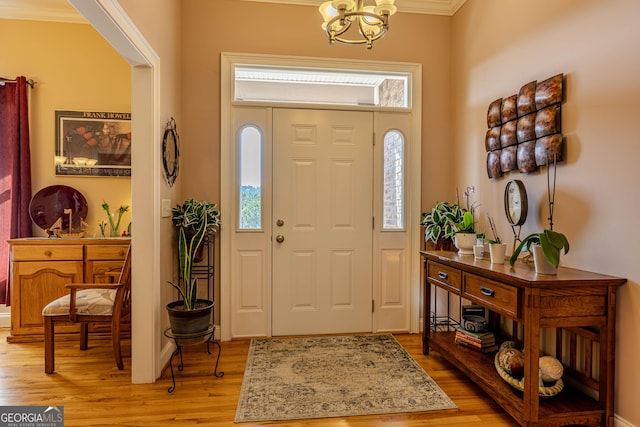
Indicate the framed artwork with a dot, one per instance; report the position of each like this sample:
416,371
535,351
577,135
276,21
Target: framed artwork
93,143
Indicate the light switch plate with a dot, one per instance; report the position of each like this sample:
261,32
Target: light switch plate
166,208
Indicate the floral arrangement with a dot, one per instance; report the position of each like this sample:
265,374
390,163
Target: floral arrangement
114,225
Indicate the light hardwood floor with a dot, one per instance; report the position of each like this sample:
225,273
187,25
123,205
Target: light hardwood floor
94,393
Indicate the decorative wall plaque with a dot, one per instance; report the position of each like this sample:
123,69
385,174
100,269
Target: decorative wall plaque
524,130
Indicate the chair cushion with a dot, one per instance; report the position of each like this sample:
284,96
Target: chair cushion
97,302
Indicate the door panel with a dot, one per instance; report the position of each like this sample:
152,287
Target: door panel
323,195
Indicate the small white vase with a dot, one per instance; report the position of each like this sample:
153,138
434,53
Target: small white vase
465,243
541,263
497,252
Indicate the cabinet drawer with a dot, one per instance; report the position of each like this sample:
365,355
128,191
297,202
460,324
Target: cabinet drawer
47,253
108,252
444,276
495,296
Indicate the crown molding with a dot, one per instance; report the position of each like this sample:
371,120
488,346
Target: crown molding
62,11
40,10
429,7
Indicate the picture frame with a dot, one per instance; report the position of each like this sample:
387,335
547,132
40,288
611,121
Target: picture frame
93,143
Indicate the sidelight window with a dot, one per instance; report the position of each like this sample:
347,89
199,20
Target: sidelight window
393,192
250,197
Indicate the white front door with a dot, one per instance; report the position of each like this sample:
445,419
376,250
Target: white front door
322,221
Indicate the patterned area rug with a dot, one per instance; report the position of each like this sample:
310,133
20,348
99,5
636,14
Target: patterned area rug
321,377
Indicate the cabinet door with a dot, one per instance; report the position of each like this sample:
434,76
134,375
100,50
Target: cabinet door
33,285
102,259
96,271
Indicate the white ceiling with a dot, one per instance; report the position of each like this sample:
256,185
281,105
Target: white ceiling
62,11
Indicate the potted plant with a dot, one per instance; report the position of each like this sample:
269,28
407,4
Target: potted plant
497,248
463,224
446,220
194,220
549,242
438,228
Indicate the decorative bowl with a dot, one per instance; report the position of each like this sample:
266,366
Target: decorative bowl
91,162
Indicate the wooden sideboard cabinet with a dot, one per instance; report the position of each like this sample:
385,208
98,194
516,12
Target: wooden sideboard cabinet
577,308
40,268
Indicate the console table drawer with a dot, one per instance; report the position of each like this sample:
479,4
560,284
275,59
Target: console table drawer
106,252
47,253
444,276
495,296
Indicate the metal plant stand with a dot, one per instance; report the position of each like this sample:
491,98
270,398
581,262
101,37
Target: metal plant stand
182,340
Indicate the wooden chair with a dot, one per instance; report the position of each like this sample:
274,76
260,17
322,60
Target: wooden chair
90,303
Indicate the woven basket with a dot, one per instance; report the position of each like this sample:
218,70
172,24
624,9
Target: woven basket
543,391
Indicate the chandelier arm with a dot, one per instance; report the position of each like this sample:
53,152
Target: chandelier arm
383,23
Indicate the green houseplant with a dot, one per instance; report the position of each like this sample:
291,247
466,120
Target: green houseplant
438,224
551,243
194,219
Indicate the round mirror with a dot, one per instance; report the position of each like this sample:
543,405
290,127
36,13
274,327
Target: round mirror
170,152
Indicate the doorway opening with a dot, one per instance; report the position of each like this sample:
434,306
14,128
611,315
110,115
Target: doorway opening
254,88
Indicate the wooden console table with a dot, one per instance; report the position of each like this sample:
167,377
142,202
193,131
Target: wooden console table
40,269
579,305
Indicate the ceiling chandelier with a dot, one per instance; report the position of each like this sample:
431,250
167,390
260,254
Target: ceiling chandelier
373,21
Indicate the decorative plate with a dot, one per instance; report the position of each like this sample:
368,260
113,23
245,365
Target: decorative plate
48,206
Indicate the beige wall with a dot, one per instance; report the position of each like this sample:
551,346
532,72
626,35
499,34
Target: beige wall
162,30
277,29
75,69
497,47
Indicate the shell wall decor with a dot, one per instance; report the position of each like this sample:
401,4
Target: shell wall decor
524,130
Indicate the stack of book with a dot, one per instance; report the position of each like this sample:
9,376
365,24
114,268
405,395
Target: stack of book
481,341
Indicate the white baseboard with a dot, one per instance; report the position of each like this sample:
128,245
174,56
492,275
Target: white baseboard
621,422
5,320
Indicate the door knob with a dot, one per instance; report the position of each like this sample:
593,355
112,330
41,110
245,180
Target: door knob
279,223
279,238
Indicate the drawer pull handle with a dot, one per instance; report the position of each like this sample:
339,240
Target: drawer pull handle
486,291
48,253
443,275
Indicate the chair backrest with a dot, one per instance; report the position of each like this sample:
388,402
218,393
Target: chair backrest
122,301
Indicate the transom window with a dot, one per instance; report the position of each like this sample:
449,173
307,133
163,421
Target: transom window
320,86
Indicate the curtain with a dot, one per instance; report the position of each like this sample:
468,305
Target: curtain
15,173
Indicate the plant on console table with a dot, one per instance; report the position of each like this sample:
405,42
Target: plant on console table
437,228
546,245
194,219
463,224
497,248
